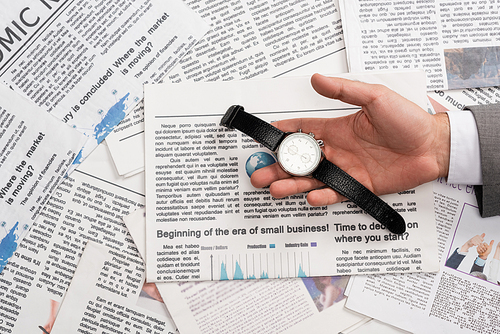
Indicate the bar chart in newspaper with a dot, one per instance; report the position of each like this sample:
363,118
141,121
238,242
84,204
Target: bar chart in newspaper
260,266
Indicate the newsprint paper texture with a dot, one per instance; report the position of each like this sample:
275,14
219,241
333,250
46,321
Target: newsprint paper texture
36,150
85,61
206,222
463,296
291,305
108,295
87,206
456,42
248,39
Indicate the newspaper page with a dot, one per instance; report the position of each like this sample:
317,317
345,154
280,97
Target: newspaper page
36,150
456,42
248,39
108,294
287,305
87,205
205,221
314,304
463,296
460,98
85,61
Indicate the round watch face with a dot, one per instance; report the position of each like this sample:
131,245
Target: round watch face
299,154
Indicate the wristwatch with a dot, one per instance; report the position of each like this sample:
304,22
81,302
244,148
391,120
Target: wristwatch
300,154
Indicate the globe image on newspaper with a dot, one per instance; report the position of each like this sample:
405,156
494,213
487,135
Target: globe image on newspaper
257,161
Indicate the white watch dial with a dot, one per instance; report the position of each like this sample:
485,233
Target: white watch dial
299,154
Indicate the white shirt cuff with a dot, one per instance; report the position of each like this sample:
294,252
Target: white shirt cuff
480,262
465,154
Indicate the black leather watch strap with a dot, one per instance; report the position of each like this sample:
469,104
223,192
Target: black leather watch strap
237,118
327,172
346,185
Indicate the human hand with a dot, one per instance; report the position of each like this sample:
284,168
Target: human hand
151,290
330,295
47,328
390,145
483,250
474,241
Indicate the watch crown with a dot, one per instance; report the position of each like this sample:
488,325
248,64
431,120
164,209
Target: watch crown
299,131
311,134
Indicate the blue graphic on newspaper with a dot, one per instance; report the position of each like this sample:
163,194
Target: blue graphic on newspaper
114,116
8,245
258,160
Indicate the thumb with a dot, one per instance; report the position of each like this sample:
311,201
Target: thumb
348,91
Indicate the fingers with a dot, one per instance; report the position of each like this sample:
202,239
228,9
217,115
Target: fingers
324,196
265,176
482,248
316,197
349,91
293,185
282,185
478,239
485,247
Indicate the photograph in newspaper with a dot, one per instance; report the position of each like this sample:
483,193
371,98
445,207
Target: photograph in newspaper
249,39
87,205
320,300
473,249
108,294
472,67
462,296
205,221
85,61
33,160
456,43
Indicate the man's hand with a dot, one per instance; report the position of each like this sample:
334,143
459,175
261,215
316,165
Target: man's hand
484,249
474,241
390,145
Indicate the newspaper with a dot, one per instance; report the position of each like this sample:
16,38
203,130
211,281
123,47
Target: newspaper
88,205
463,296
249,39
108,295
33,161
205,221
84,61
314,304
459,99
456,42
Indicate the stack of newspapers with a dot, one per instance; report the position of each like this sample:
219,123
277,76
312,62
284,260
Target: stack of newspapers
127,208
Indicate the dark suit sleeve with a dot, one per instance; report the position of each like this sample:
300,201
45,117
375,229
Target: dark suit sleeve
454,260
476,268
488,125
